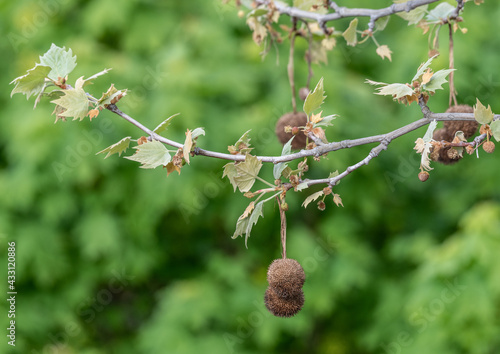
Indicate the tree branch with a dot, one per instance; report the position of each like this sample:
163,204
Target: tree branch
343,12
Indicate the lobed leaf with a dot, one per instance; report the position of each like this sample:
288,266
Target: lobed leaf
440,12
74,103
414,16
312,198
422,68
164,125
151,154
314,99
32,83
247,173
117,148
495,129
230,172
395,90
437,80
61,61
482,114
350,33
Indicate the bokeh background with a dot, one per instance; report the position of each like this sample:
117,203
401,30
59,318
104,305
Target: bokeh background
116,259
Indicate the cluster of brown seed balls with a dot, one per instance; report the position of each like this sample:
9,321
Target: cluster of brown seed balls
448,155
284,296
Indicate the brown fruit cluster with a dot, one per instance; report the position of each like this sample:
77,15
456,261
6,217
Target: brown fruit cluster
448,155
284,296
293,120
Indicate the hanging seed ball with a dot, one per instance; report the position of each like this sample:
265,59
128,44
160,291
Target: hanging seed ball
283,307
286,276
489,146
298,119
303,92
468,127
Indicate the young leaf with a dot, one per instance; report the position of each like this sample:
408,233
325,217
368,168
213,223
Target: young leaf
314,99
381,23
350,33
326,121
242,146
197,132
151,154
188,143
247,173
395,90
32,83
422,68
337,200
89,80
164,125
384,52
253,219
437,80
279,167
414,16
110,96
312,198
482,114
61,62
423,146
230,172
74,102
302,186
495,129
440,12
116,148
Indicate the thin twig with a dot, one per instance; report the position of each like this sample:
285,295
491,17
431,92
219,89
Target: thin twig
453,91
290,66
283,228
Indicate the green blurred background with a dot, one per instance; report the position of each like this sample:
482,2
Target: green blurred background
115,259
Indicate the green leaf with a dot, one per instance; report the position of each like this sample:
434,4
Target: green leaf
422,68
326,121
314,99
440,12
74,102
381,23
430,131
61,62
395,90
230,172
414,16
482,114
116,148
247,173
279,167
164,125
109,96
437,80
253,219
312,198
32,83
151,154
495,129
197,132
302,186
350,33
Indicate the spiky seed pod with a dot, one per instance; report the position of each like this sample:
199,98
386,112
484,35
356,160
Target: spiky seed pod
489,146
303,92
298,119
446,155
283,307
468,127
286,276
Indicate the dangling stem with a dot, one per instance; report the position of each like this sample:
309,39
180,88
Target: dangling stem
453,92
283,228
290,64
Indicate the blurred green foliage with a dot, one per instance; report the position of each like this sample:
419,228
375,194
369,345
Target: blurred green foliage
116,259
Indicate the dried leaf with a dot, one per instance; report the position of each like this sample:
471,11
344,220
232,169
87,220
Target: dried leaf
312,198
384,52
